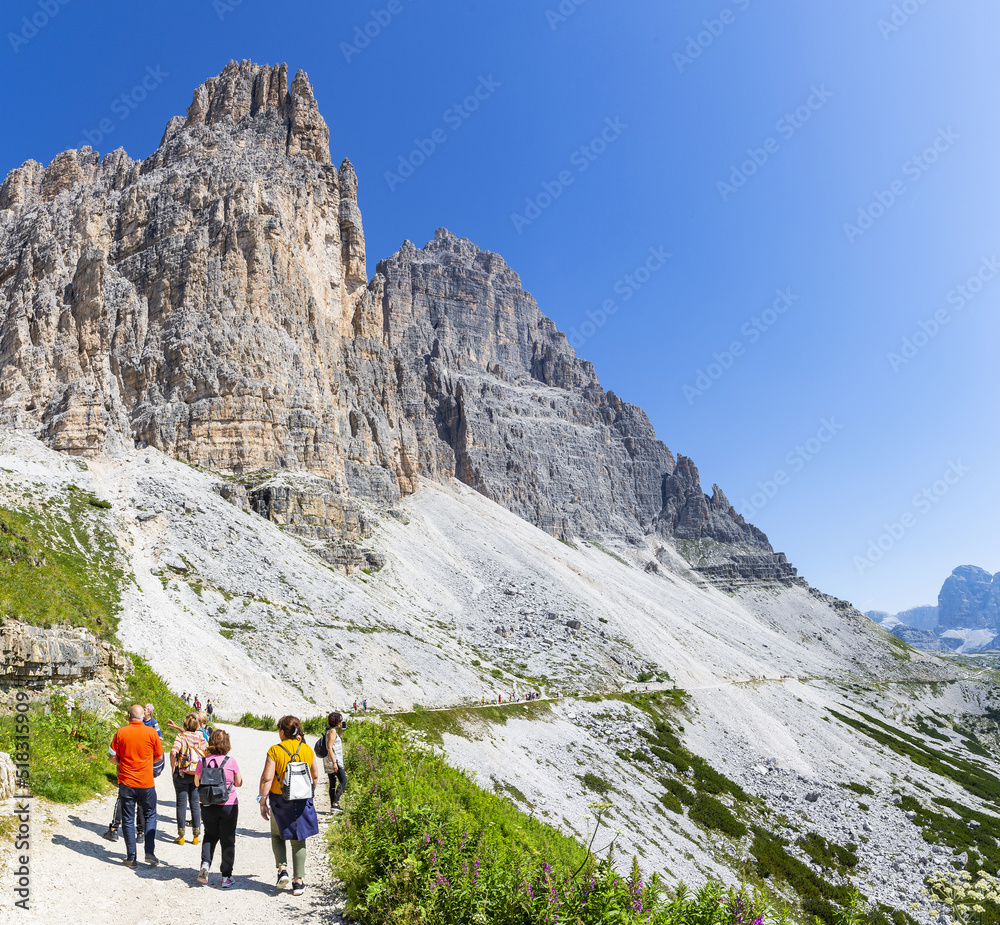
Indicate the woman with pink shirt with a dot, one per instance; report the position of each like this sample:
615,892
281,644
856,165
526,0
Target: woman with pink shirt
219,819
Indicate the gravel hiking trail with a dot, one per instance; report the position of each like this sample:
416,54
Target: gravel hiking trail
78,877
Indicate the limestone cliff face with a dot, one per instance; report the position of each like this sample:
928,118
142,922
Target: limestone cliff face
213,301
498,398
206,301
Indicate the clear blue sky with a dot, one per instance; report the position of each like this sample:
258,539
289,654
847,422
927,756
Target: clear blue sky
876,97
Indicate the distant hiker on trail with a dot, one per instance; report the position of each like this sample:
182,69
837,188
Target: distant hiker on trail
333,760
217,777
135,748
149,720
188,749
197,703
210,710
364,703
285,797
206,729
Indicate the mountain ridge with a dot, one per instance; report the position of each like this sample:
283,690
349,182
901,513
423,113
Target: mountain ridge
214,304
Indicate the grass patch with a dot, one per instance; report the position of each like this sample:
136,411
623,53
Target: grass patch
459,720
860,789
68,752
60,564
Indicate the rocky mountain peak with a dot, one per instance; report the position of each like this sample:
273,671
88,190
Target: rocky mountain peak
970,599
260,91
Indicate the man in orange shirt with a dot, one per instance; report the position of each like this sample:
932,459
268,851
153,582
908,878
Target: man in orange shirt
136,746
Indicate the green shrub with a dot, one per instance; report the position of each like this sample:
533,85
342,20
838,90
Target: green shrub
712,814
314,726
252,721
671,802
681,792
592,782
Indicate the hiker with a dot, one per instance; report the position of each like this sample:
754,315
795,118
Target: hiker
217,789
333,760
149,720
197,704
284,785
188,749
136,747
206,729
210,710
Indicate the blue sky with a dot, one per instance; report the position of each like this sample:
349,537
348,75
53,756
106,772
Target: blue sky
821,339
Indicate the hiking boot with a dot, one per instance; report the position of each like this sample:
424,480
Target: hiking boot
195,838
298,888
227,882
283,879
152,860
203,874
129,862
110,835
179,840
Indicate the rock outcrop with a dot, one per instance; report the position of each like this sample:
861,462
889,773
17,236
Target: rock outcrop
67,658
212,301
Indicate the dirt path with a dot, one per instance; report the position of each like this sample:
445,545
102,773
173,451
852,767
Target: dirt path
78,877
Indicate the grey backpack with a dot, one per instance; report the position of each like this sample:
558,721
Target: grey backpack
213,789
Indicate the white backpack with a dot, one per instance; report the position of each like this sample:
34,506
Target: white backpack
296,782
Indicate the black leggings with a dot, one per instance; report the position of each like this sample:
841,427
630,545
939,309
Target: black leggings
220,828
338,783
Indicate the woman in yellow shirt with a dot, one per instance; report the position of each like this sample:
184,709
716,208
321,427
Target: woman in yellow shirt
291,820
